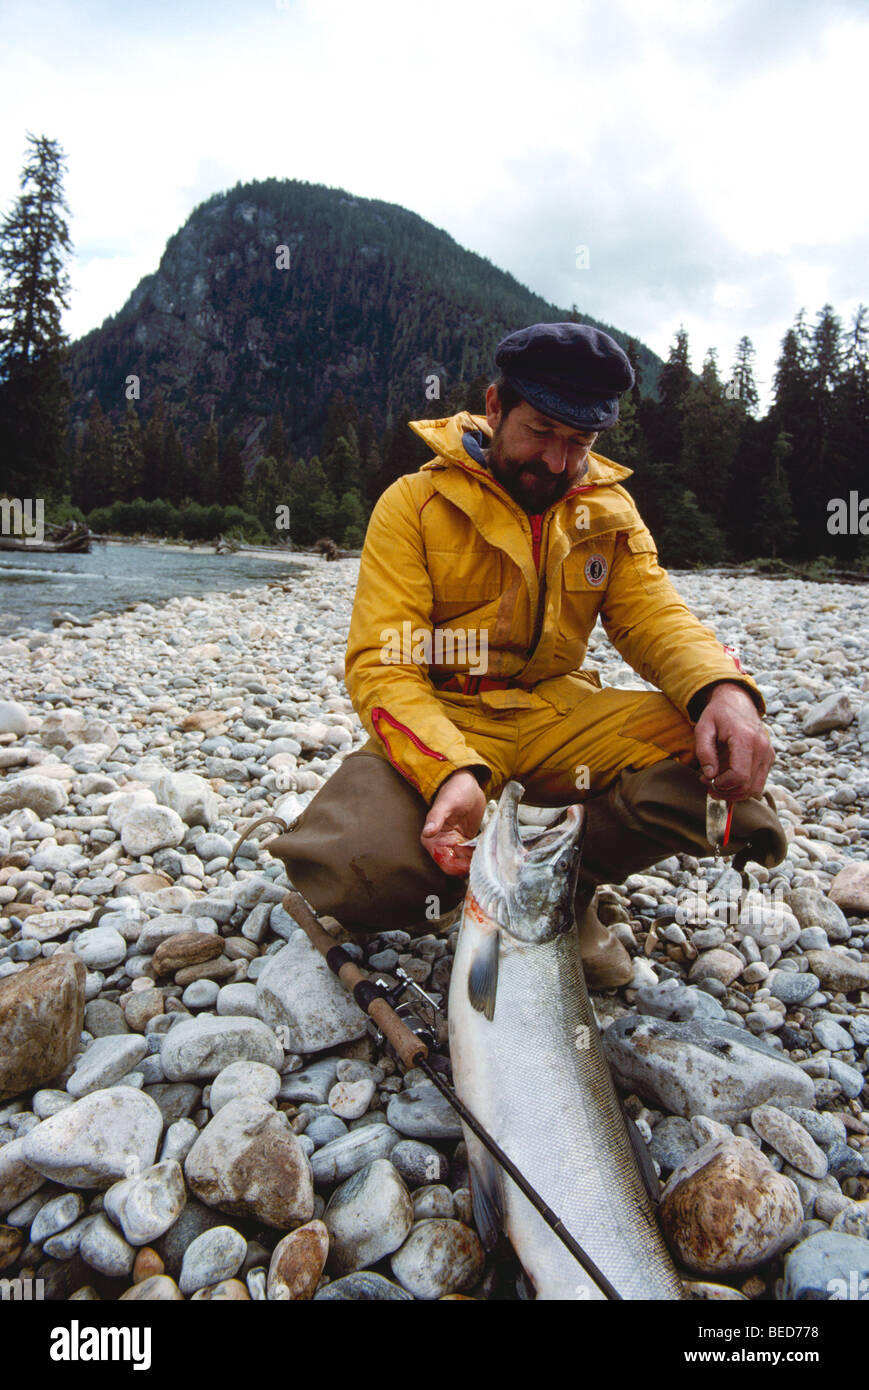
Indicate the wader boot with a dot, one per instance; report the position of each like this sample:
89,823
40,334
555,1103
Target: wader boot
642,818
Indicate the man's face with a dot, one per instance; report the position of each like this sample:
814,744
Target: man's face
534,458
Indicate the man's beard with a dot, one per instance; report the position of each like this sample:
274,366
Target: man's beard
531,484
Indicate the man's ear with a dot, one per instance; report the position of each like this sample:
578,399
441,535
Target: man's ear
493,406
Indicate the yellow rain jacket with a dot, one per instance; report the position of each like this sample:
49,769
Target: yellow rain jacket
460,590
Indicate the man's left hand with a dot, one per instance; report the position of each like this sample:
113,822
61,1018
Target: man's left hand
732,746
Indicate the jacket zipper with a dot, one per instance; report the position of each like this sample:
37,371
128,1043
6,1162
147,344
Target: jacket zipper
378,714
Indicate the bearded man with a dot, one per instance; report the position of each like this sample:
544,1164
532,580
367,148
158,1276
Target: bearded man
481,579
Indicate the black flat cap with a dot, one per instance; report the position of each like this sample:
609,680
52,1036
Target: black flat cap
569,371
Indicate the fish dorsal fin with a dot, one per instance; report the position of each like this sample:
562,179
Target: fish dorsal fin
483,974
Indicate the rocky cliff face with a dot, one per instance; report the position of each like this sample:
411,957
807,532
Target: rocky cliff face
276,295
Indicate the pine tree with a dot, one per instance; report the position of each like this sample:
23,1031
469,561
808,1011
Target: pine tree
350,520
154,479
231,472
94,464
129,456
744,387
206,480
710,431
34,397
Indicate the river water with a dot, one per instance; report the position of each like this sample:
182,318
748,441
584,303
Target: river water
115,574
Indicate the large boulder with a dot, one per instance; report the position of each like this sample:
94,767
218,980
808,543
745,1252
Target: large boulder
298,994
41,1019
726,1210
204,1046
248,1162
701,1068
106,1136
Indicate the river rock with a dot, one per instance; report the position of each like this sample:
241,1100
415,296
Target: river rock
298,992
834,712
104,1248
421,1112
159,1288
148,828
194,1219
367,1217
248,1162
43,795
850,889
705,1068
244,1080
298,1262
717,964
670,999
828,1265
727,1210
362,1287
311,1083
204,1046
788,1138
55,1216
813,909
215,1255
791,987
839,972
18,1180
350,1099
100,948
190,796
50,926
98,1140
418,1163
14,718
147,1205
105,1061
185,948
41,1019
439,1257
345,1155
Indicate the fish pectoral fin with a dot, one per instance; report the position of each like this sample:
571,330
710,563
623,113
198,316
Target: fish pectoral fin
487,1193
483,975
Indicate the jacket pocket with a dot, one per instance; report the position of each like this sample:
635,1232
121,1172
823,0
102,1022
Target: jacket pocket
457,576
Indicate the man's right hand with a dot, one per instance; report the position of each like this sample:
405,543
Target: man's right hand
454,816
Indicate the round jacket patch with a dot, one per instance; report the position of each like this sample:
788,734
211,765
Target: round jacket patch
595,570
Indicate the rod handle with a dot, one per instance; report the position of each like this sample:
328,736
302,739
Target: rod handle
407,1045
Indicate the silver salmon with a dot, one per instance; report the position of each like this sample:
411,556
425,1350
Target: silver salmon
528,1064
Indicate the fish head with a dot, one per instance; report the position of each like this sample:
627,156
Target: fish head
527,882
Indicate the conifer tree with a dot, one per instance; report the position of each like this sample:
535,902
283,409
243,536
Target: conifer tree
34,288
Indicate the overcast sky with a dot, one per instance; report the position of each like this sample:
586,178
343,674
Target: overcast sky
709,155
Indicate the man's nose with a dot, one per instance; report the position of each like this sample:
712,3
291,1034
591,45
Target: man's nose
555,456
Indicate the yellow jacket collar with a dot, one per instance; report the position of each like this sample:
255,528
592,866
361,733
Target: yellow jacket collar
444,438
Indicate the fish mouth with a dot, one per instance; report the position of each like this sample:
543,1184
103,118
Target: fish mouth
525,879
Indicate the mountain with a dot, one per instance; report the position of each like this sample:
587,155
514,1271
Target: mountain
277,295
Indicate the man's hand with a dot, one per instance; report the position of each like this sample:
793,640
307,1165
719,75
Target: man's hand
454,816
732,746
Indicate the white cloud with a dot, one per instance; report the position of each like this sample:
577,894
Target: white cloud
709,155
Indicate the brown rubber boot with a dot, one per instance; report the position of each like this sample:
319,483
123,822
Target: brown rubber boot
606,963
645,817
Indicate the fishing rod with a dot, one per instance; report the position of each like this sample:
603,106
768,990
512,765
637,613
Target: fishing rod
413,1052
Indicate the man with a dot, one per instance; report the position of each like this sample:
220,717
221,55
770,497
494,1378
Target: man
507,546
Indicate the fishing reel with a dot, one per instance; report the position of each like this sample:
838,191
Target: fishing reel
424,1029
